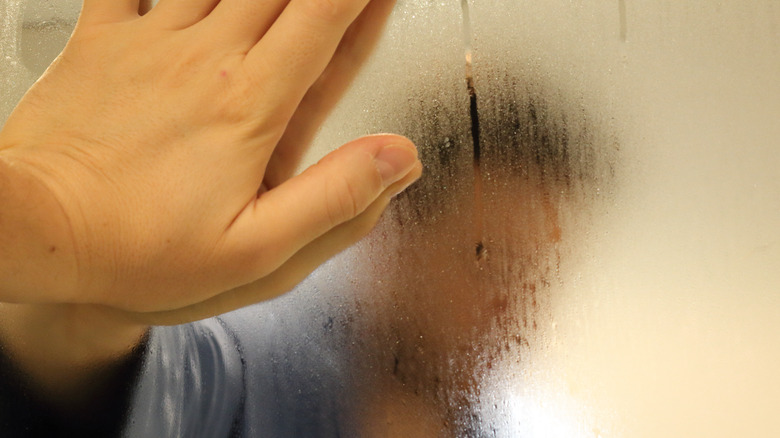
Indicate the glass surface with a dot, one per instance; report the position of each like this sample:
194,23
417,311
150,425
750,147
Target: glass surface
32,33
608,268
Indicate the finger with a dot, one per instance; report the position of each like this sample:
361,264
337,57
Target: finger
103,11
354,49
297,48
241,23
338,188
179,14
292,272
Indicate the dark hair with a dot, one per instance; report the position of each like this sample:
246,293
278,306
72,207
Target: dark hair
527,130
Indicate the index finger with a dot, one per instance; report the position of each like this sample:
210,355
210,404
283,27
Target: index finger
353,51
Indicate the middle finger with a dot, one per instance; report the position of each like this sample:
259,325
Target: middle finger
296,49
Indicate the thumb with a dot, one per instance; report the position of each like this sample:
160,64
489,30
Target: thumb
292,272
338,188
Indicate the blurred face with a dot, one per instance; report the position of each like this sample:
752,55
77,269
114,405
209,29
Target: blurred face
445,307
459,270
455,295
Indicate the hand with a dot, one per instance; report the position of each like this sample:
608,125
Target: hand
167,141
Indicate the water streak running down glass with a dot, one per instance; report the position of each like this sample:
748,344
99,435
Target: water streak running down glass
618,184
475,133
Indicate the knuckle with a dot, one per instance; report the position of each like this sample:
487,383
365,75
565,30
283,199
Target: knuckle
178,68
236,103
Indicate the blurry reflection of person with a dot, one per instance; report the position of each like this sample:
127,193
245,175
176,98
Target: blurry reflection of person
464,280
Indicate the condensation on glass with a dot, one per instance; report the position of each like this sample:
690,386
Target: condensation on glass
33,33
604,265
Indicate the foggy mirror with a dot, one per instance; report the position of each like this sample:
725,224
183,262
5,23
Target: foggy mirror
591,252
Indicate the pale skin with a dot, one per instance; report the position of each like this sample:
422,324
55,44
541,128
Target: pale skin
148,177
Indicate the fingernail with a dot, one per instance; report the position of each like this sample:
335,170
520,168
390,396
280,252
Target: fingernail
394,161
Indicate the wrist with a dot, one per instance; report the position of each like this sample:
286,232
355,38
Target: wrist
67,350
37,257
